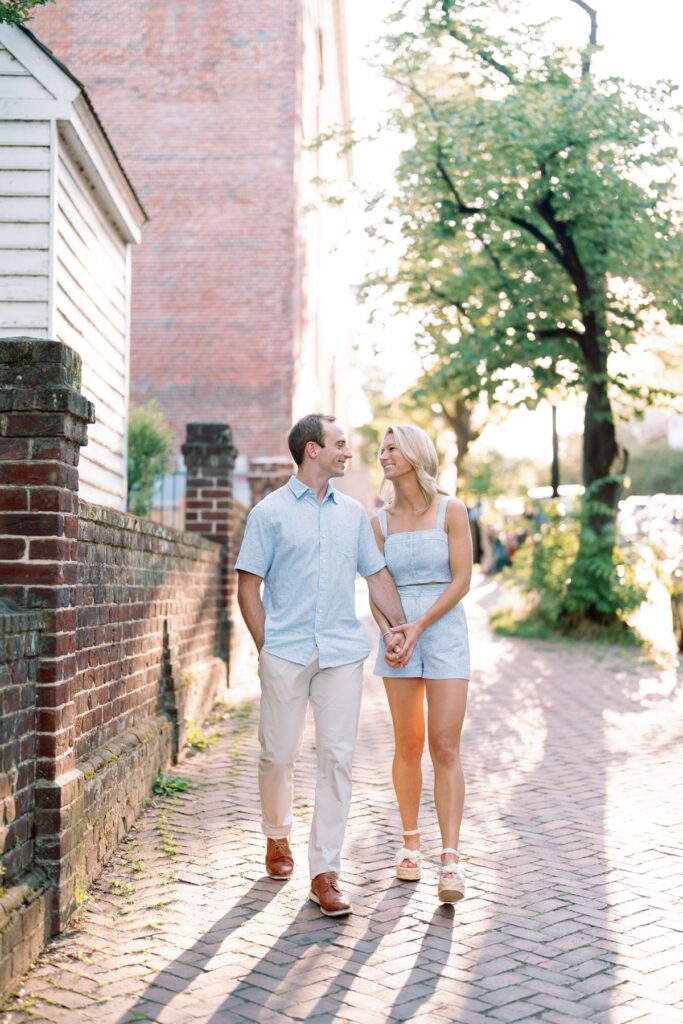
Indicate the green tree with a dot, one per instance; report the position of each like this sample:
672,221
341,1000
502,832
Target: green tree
540,228
16,12
150,452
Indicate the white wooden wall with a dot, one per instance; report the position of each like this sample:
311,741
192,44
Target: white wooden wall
90,306
24,209
65,270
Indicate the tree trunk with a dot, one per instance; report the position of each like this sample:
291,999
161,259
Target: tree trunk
603,459
591,591
459,419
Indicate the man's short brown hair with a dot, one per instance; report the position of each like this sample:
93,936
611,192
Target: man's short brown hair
310,428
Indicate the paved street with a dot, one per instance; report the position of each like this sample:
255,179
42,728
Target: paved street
573,840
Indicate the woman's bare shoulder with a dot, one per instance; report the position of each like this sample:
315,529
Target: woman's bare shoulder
456,512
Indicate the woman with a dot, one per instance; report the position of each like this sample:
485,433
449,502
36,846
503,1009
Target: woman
426,540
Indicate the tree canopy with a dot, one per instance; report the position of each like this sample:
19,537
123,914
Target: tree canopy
16,12
539,218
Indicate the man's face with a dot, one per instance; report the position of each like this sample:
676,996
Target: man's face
333,457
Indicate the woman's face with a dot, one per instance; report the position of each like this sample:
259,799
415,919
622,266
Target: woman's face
391,459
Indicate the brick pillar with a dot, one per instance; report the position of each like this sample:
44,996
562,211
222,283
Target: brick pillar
43,423
266,475
210,458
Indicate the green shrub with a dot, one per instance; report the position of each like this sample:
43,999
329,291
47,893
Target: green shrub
150,452
563,570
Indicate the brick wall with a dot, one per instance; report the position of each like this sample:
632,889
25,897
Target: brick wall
115,640
201,101
19,642
140,587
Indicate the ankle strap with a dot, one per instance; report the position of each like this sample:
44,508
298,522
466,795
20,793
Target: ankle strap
413,832
450,849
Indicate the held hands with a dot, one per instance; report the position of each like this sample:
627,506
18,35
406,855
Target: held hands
393,644
400,642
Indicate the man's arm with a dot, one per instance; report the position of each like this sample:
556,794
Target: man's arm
251,606
384,594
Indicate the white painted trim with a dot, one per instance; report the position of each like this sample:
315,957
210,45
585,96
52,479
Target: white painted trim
129,282
52,229
79,145
109,168
42,67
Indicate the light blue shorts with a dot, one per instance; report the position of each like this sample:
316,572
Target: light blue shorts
443,650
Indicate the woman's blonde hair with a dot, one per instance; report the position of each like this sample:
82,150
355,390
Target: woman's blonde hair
418,449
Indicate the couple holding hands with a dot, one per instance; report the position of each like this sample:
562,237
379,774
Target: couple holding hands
305,542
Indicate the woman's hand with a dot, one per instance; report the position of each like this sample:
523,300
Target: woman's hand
393,642
412,631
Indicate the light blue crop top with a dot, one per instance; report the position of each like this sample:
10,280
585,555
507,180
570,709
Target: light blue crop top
418,556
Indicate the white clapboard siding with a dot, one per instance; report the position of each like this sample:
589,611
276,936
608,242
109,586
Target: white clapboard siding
100,237
24,183
24,236
24,220
76,260
24,209
23,316
90,316
24,158
35,332
100,476
110,359
25,133
28,262
23,289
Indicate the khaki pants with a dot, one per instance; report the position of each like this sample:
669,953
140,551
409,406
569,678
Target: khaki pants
335,694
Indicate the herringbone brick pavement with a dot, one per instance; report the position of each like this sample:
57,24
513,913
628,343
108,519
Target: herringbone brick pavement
573,838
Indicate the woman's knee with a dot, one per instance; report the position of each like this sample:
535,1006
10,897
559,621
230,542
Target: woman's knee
409,747
445,750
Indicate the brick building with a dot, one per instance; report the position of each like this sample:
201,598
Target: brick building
237,302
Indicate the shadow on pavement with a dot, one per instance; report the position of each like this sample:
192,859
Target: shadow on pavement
308,929
549,868
167,984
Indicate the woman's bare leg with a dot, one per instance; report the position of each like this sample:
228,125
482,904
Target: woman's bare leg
406,703
446,704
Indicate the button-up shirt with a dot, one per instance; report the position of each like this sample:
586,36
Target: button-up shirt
308,552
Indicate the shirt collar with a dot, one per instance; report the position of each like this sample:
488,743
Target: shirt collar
298,489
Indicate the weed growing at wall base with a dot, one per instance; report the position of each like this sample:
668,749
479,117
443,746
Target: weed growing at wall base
167,785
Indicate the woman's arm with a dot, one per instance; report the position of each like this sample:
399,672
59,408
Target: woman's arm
460,558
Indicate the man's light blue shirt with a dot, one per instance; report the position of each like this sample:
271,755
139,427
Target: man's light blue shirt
308,553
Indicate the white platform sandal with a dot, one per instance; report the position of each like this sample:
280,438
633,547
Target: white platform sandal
412,873
451,883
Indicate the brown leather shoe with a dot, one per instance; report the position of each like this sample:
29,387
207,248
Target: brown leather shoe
325,891
279,860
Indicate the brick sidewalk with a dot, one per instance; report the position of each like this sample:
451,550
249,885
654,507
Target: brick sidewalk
573,838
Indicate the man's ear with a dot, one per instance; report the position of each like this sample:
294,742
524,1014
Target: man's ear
312,449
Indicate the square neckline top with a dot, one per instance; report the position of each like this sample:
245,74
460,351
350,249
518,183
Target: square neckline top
439,528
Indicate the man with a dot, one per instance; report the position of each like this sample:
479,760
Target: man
305,542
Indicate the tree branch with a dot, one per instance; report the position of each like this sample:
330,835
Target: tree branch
484,55
592,38
559,332
452,188
520,222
